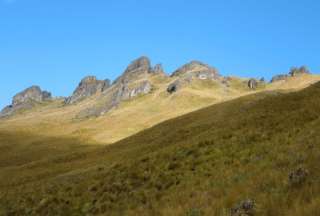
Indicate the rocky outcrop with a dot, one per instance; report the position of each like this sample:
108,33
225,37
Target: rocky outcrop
137,69
26,100
197,69
88,86
294,72
190,71
132,83
139,88
32,94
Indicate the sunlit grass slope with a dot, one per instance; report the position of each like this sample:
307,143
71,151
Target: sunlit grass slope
132,116
202,163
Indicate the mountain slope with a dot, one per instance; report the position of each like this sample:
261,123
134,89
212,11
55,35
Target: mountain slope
136,114
263,147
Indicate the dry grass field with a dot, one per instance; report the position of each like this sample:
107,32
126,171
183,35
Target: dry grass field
262,147
54,119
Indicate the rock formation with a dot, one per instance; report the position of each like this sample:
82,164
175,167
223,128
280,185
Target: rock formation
294,71
132,83
87,87
26,100
197,69
190,71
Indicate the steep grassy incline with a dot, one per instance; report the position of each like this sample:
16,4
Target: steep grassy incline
263,147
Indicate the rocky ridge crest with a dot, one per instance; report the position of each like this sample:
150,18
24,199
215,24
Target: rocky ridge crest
26,100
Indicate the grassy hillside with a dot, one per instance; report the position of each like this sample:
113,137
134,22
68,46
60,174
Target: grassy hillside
263,147
56,120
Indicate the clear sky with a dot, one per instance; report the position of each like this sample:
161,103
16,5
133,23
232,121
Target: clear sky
55,43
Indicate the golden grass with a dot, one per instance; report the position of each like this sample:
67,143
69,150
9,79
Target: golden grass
132,116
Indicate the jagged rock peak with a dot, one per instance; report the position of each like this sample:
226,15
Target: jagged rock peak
195,67
26,100
140,64
88,86
136,70
31,94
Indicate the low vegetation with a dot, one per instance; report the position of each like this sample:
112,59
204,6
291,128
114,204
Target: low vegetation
256,155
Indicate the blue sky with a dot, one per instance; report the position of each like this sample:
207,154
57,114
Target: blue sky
55,43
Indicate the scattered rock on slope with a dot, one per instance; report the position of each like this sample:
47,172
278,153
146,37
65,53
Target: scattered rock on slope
88,86
26,100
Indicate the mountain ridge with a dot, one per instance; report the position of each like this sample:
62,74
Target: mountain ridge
141,97
139,69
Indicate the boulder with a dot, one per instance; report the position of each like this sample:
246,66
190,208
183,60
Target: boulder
252,84
173,87
88,86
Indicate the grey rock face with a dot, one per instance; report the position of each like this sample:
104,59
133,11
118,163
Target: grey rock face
141,64
86,88
197,69
132,83
143,87
252,84
32,94
190,71
136,70
26,100
295,71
